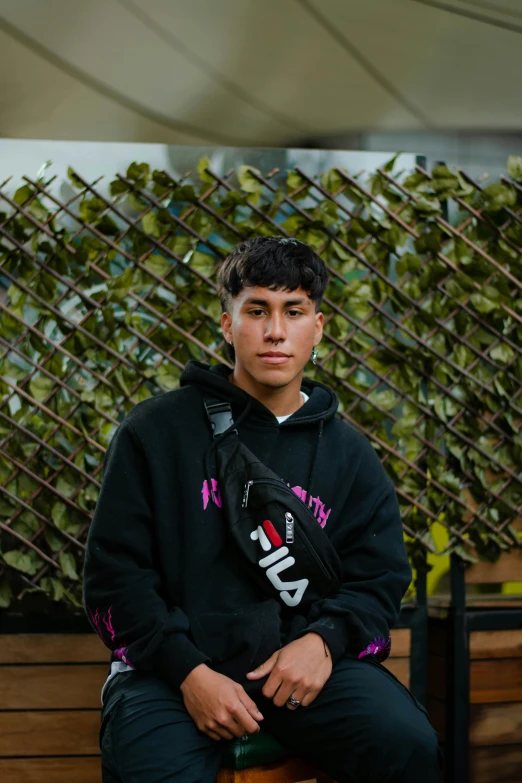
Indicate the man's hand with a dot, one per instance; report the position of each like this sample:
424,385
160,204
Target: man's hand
219,707
300,670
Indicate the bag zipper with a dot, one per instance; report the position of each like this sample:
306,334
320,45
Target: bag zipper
289,528
281,484
275,482
245,493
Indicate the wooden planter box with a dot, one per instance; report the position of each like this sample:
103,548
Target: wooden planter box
491,662
495,731
50,686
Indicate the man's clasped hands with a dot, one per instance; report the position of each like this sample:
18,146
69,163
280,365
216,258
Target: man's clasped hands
222,709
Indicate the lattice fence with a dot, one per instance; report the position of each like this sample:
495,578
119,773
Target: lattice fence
104,299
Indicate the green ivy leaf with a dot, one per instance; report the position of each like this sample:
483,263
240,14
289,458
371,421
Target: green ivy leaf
408,262
389,165
418,182
66,487
23,194
482,303
187,193
179,244
405,426
438,404
103,398
464,554
168,376
74,179
59,515
151,224
117,188
162,183
6,509
497,196
450,480
142,393
427,205
53,587
87,396
429,240
158,264
6,594
27,524
502,353
247,180
514,167
20,561
294,180
107,226
332,181
462,356
139,173
137,202
41,387
68,565
204,263
203,165
91,208
13,371
54,541
385,399
120,287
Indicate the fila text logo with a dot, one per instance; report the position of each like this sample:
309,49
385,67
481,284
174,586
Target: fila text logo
278,561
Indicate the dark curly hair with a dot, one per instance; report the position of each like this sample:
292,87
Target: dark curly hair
272,262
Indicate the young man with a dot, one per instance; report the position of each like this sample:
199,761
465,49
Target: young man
199,653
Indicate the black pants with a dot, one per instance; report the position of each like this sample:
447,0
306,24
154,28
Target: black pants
364,727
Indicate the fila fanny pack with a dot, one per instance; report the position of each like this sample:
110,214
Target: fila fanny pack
284,549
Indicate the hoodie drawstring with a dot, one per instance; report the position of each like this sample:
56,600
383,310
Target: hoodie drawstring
315,460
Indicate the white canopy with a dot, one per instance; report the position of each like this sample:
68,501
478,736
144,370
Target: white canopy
256,72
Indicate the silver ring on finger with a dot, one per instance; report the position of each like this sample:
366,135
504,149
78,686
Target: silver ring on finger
293,702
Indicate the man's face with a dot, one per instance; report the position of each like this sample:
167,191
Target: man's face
273,333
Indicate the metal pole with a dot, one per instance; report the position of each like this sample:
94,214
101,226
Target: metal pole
419,640
458,688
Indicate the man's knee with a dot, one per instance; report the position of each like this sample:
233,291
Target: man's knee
404,750
412,751
423,740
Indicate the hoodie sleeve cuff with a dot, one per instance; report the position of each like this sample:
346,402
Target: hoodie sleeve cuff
334,632
176,658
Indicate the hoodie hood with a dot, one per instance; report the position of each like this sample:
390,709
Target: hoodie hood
213,381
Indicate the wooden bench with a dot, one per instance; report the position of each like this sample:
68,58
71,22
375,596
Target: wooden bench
50,706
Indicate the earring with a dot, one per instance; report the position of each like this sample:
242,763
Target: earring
314,355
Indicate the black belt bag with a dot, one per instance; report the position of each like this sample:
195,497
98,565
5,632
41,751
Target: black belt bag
284,549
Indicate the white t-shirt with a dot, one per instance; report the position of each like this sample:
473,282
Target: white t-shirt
281,419
118,666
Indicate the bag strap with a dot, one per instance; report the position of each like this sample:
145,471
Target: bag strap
220,415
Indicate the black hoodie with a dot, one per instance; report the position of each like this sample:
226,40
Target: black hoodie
162,583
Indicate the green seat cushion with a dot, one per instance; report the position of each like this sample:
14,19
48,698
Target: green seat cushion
253,750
